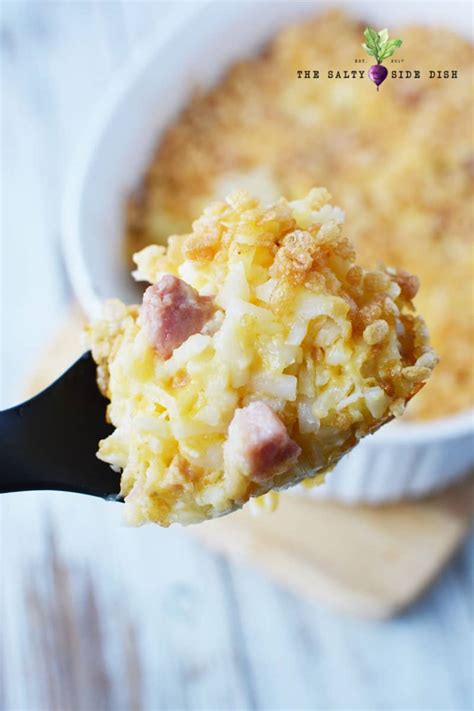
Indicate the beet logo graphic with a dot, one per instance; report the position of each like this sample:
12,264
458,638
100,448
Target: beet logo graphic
378,45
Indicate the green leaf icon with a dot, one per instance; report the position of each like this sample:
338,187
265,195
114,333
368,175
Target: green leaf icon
383,36
378,44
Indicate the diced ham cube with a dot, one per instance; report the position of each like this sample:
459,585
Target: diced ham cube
258,443
171,312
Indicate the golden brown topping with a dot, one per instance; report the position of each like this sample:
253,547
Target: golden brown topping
416,373
376,332
294,259
202,246
368,314
355,275
376,281
408,283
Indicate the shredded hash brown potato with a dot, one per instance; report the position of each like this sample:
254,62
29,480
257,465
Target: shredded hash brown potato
401,161
304,354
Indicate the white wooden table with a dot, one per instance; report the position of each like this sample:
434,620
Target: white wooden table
93,615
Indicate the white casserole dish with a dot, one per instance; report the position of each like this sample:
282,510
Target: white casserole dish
194,47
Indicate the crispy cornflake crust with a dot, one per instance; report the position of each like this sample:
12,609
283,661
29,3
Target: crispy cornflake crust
335,350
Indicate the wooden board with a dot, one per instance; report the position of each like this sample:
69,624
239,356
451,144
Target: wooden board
366,561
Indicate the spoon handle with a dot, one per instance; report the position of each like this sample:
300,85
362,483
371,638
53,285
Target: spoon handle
49,442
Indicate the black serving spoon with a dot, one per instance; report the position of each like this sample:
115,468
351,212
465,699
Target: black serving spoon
50,441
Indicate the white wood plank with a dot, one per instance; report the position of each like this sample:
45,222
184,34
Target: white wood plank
83,584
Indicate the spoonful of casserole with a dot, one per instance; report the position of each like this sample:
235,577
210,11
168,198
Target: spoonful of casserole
260,355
